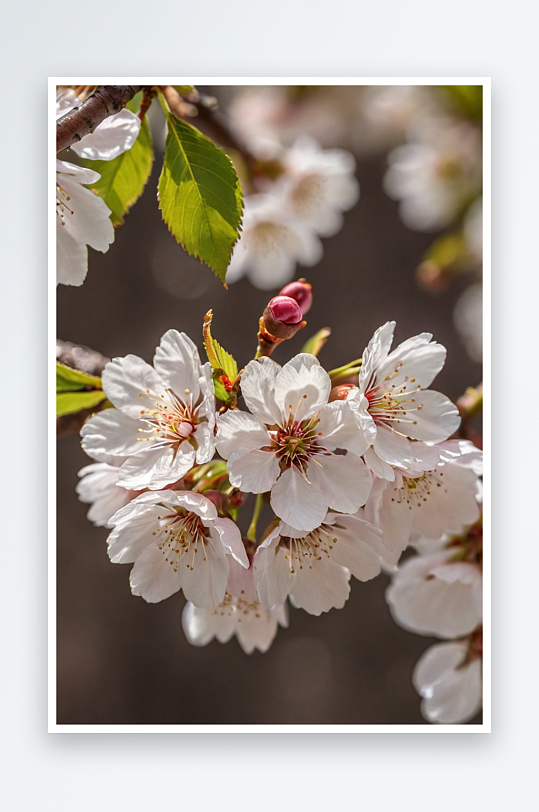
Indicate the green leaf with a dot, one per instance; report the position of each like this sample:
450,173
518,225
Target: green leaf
71,380
315,343
224,366
122,180
200,195
70,402
468,98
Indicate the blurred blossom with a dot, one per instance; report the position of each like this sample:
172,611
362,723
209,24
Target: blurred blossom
449,680
436,174
271,244
473,231
318,185
389,110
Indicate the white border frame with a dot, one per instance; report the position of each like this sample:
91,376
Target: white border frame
485,727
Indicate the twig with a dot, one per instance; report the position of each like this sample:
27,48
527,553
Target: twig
82,120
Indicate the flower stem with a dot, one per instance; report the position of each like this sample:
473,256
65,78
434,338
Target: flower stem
251,533
345,371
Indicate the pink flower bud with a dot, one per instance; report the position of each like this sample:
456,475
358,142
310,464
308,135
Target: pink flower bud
302,292
341,392
285,309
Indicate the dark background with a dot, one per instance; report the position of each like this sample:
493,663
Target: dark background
123,661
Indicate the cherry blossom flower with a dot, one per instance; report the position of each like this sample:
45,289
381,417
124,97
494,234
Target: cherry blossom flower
271,244
84,218
97,486
435,175
176,541
437,494
439,593
287,444
239,614
393,404
318,185
448,676
315,568
164,417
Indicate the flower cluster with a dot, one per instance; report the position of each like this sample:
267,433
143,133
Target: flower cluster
439,593
284,220
83,218
351,472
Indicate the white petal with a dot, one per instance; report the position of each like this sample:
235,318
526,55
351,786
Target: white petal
153,577
71,258
320,586
358,546
130,538
297,501
452,692
204,575
198,625
87,217
379,467
178,363
239,431
114,135
393,448
241,582
229,534
110,432
437,419
344,480
156,466
272,575
257,388
375,353
132,385
253,471
420,357
340,429
302,387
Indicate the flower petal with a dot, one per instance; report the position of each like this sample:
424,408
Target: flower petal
239,431
437,419
302,387
257,388
114,135
229,535
340,429
71,258
86,216
253,471
132,385
345,481
177,362
153,577
110,432
272,576
204,574
321,585
297,501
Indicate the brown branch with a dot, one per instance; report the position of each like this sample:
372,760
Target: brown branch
82,120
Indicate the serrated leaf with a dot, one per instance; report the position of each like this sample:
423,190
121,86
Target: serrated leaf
123,180
315,343
70,402
200,195
219,358
72,380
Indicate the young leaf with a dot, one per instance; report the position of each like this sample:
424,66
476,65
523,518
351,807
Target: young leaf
122,180
72,380
70,402
224,366
200,195
184,90
315,343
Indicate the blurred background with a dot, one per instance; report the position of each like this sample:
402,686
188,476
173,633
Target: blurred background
123,661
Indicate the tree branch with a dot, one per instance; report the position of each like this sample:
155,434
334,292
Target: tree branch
82,120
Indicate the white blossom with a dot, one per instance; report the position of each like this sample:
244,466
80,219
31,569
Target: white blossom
287,444
449,680
314,568
239,614
393,404
164,417
435,175
97,486
437,594
176,541
83,218
437,494
318,185
271,243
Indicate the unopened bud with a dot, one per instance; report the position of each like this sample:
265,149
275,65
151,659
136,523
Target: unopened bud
219,499
341,392
302,292
282,317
